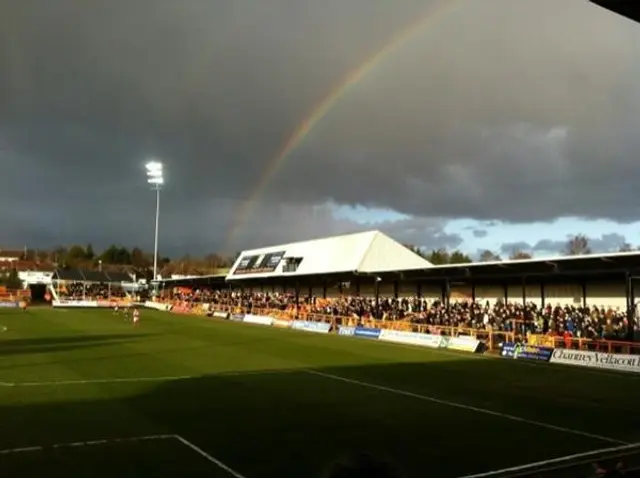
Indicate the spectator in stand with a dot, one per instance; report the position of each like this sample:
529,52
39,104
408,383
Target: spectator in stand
579,322
90,291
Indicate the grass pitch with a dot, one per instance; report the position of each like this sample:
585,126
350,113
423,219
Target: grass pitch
85,393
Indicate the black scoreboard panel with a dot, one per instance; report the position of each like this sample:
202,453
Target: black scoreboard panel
244,262
259,263
271,261
245,265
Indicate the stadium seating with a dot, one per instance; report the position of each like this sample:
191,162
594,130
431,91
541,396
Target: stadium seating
89,285
569,322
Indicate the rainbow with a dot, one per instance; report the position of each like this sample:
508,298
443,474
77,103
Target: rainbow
322,108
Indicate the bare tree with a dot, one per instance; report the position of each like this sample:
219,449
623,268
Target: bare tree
518,255
488,256
626,247
578,245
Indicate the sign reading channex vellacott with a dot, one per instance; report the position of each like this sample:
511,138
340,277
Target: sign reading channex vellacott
583,358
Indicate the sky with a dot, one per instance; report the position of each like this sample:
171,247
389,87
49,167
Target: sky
493,124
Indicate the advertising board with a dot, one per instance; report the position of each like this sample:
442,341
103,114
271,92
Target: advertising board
317,327
181,309
282,324
463,344
157,306
74,303
106,304
367,332
350,331
410,338
258,320
525,352
585,358
220,314
237,317
9,305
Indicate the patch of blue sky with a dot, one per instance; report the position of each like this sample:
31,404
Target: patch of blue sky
365,215
499,233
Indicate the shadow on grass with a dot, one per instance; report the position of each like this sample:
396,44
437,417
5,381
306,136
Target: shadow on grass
61,344
295,423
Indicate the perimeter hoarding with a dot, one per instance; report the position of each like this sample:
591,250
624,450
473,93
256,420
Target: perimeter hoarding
525,352
585,358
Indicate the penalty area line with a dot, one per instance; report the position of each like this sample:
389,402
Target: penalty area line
558,463
77,444
208,457
470,408
112,441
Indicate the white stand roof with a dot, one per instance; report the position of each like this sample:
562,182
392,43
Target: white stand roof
365,252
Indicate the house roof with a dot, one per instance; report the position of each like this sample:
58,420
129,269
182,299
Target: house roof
364,252
116,276
21,265
68,275
11,254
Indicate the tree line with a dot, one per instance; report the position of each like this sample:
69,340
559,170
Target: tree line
577,245
134,260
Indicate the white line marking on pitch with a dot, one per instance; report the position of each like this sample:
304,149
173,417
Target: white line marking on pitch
96,381
110,441
440,401
92,381
10,451
556,461
204,454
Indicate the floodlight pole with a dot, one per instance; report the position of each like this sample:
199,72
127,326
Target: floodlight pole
156,179
155,242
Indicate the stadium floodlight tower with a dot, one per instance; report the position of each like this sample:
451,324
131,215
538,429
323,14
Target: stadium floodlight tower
155,177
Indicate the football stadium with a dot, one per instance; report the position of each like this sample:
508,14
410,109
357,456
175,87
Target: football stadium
345,356
340,353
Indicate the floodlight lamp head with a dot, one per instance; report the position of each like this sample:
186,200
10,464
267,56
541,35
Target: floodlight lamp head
156,180
154,166
155,176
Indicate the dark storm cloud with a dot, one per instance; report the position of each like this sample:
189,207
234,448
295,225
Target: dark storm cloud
499,110
531,120
424,233
310,222
88,91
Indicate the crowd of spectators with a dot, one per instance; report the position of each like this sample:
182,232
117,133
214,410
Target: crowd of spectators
580,322
89,291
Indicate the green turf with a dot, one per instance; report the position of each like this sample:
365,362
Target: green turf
251,402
